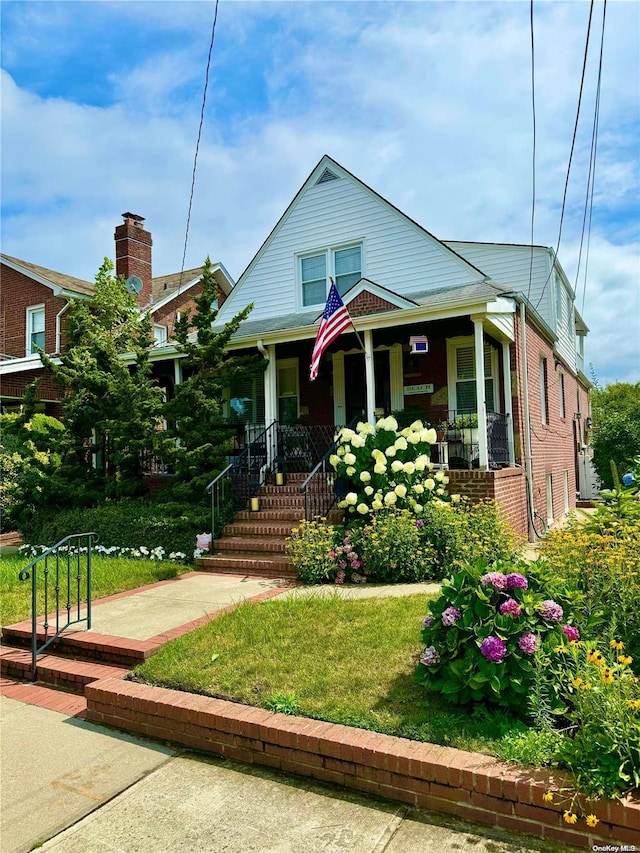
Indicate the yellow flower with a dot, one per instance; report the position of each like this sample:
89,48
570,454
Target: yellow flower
560,648
634,703
548,796
625,659
576,682
617,644
587,685
570,817
591,820
607,677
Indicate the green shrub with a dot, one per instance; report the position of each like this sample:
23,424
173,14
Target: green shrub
483,631
126,523
393,551
310,547
465,533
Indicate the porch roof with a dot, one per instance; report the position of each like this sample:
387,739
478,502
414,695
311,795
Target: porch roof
457,300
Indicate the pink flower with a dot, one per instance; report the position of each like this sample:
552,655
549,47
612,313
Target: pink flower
572,634
496,579
511,607
528,643
493,648
332,554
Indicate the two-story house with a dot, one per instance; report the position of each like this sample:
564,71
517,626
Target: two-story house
34,301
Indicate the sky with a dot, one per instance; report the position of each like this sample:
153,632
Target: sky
428,102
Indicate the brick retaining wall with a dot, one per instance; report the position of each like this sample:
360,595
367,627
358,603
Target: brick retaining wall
470,785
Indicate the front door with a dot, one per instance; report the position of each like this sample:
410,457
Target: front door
355,385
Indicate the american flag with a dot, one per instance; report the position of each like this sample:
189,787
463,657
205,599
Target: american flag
335,320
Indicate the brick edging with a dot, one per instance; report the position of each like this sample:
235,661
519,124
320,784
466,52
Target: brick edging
470,785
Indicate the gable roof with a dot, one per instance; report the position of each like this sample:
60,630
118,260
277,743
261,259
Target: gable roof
328,164
60,283
166,287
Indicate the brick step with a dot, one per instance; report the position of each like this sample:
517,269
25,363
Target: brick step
259,528
290,479
253,565
70,704
282,502
258,544
270,515
85,646
61,672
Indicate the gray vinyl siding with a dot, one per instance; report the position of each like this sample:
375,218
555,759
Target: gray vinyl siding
396,253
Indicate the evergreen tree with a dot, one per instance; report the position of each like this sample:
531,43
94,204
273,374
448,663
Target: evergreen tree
196,439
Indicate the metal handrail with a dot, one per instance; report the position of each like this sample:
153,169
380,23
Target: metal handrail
331,497
30,571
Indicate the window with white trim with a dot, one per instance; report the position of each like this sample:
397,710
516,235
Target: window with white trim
462,376
159,335
544,398
35,329
343,264
563,413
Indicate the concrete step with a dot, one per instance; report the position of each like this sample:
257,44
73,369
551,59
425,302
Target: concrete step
62,672
257,544
251,565
259,528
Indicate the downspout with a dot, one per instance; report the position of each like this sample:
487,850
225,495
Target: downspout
527,422
59,326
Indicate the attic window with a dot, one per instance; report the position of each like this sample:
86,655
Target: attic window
327,175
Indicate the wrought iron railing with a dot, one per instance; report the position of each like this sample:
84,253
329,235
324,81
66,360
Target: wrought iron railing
233,488
498,438
458,442
301,447
69,588
321,488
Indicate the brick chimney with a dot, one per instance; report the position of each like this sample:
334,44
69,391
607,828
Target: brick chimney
133,253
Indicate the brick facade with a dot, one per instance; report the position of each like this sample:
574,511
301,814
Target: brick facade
369,303
18,292
507,486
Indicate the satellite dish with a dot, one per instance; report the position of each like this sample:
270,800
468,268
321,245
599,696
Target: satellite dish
133,284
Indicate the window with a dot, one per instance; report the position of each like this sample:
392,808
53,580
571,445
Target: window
160,335
35,328
544,399
565,491
561,394
549,490
344,265
462,373
288,391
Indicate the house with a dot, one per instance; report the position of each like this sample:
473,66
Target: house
34,301
481,339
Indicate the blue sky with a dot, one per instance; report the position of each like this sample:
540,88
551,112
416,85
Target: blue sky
427,102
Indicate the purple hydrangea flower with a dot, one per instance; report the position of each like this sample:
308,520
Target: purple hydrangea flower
511,607
430,656
551,611
517,581
497,579
572,634
450,615
494,649
419,523
427,621
528,643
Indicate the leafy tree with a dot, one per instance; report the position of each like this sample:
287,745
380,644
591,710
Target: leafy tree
196,439
616,428
112,406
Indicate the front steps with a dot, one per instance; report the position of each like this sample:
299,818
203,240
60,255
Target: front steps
64,673
254,543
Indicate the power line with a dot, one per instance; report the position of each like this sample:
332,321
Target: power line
533,165
592,168
573,144
195,158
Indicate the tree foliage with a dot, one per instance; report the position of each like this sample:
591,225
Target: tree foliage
616,428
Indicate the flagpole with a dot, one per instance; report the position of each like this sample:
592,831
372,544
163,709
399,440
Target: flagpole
352,323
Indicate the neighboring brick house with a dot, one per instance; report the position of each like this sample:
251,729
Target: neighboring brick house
34,301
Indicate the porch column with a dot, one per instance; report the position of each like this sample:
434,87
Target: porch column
508,399
177,371
270,396
339,402
396,378
370,378
483,449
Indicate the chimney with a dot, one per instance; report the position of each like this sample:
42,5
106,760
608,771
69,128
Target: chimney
133,254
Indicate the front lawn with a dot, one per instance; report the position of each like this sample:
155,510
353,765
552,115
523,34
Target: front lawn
332,659
109,575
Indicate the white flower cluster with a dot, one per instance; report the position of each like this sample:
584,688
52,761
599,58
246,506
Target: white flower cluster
140,553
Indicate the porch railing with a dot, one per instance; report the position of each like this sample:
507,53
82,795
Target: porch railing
321,488
233,488
60,576
458,446
498,438
301,447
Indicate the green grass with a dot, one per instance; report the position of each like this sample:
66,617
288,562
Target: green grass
109,575
332,659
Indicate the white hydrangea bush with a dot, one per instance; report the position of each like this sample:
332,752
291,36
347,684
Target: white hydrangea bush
386,467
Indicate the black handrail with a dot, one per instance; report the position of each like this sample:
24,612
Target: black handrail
319,487
31,571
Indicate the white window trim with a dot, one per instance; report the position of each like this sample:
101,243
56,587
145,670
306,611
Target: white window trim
562,396
162,328
549,498
329,253
453,345
543,382
31,310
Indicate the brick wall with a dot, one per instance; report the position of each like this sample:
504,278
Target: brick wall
470,785
552,443
506,486
369,303
18,292
133,255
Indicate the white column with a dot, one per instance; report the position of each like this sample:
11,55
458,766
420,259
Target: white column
177,371
396,378
339,401
483,450
270,391
508,399
370,378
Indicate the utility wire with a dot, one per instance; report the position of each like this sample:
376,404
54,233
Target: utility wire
592,169
195,158
573,144
533,165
